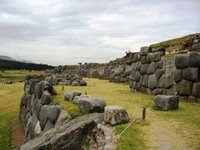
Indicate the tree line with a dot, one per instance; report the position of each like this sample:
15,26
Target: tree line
16,65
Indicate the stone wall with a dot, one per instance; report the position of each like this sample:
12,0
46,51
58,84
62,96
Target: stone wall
152,72
187,76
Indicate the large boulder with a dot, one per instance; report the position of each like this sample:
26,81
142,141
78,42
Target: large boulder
152,68
196,89
69,136
48,113
46,98
191,74
166,81
89,104
115,115
152,82
165,102
143,69
194,59
144,50
182,61
69,96
184,88
178,75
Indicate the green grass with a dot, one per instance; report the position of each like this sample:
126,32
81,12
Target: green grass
16,75
9,104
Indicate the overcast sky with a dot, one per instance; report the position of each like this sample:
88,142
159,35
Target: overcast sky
71,31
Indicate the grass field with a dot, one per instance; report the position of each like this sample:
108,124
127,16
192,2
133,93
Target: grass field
178,129
10,95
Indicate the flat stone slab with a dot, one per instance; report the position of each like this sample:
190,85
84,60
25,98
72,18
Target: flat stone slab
115,115
165,102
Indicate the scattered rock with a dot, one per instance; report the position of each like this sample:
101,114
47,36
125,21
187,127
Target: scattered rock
115,115
69,96
89,104
165,102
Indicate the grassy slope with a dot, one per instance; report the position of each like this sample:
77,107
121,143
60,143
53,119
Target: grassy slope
172,129
171,45
9,103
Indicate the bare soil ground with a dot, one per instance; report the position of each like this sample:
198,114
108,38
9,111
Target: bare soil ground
170,134
17,134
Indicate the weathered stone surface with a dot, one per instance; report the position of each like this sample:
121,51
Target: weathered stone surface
196,89
159,65
165,102
166,81
182,61
152,68
115,115
48,113
68,136
143,69
152,82
155,57
184,88
46,98
158,73
191,74
138,66
144,51
196,46
178,75
89,104
63,118
145,81
194,59
145,60
69,96
43,86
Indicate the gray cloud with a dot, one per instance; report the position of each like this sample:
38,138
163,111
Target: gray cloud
70,31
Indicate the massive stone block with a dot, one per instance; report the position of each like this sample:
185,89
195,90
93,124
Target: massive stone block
144,51
152,68
165,102
152,82
194,59
182,61
89,104
191,74
46,98
166,81
184,88
115,115
178,75
155,57
145,81
69,136
196,89
143,69
69,96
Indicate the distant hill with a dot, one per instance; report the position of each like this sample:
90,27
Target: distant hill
16,65
6,58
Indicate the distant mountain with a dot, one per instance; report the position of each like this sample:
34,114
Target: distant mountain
6,58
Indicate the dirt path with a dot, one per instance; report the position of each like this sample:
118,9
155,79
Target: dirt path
17,134
163,134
